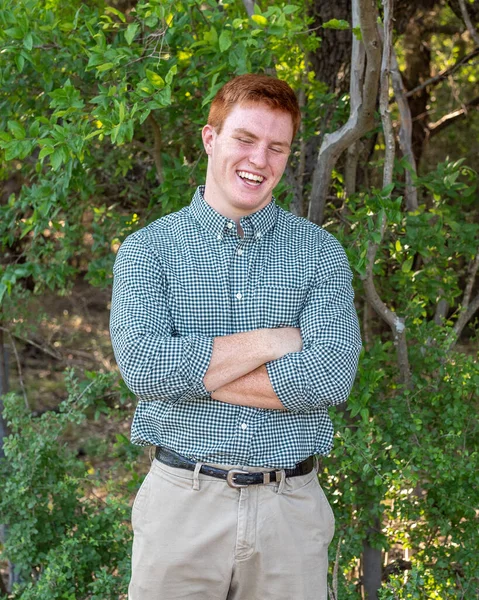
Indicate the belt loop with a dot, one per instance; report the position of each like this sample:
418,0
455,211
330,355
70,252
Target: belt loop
282,482
151,453
316,464
196,476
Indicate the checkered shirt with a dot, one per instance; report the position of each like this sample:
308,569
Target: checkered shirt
187,278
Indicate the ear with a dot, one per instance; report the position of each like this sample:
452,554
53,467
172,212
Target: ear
208,134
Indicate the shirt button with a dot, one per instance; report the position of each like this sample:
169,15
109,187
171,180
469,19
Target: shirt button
244,426
258,235
230,225
239,295
240,252
219,236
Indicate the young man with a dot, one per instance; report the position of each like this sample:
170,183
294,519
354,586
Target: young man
233,322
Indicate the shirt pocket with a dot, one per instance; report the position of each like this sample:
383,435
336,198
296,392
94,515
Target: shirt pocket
200,307
278,306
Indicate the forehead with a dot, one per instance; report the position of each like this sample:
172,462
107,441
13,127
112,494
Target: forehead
261,120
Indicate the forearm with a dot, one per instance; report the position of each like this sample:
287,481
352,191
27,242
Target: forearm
252,389
237,355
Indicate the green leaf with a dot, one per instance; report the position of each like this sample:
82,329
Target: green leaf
28,41
211,36
336,24
122,112
151,21
407,265
12,150
131,32
19,62
289,9
155,79
46,151
56,159
171,73
14,32
115,11
34,129
17,149
105,66
17,130
357,33
225,40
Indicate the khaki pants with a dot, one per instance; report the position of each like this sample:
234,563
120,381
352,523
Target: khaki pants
196,538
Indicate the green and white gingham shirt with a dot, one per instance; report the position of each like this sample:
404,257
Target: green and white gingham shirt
187,278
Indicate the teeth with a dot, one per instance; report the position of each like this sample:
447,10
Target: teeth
250,176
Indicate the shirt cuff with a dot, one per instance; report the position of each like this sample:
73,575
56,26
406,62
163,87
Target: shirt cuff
198,351
288,384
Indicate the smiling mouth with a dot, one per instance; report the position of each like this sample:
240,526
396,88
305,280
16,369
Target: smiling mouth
250,178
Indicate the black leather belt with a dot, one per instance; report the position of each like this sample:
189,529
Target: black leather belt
236,478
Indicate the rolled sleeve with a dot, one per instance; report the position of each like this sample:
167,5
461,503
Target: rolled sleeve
322,374
155,362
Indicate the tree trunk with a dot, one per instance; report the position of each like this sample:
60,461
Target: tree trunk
371,566
332,60
418,65
363,90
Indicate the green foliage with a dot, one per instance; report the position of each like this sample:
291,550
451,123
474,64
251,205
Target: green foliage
79,84
68,532
409,457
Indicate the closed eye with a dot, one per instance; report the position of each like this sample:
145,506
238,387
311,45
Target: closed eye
277,150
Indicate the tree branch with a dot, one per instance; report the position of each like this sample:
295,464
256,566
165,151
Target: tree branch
19,369
444,74
157,148
333,590
405,132
363,103
389,141
471,277
396,323
452,117
51,353
466,316
296,205
468,307
467,20
295,177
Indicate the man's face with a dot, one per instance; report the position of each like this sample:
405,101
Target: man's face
247,159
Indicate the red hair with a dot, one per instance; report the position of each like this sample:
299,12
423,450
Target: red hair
254,89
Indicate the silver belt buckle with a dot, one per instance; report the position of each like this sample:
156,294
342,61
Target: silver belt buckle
229,478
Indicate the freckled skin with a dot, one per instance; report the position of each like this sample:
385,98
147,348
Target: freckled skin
256,140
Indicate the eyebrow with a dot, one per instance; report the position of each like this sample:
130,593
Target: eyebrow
242,131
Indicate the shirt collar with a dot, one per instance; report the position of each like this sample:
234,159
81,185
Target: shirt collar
254,225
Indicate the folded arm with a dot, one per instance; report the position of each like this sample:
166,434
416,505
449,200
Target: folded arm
252,389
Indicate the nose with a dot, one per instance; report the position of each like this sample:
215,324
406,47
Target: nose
259,156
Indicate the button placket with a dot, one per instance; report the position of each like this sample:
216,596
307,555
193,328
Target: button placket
238,281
